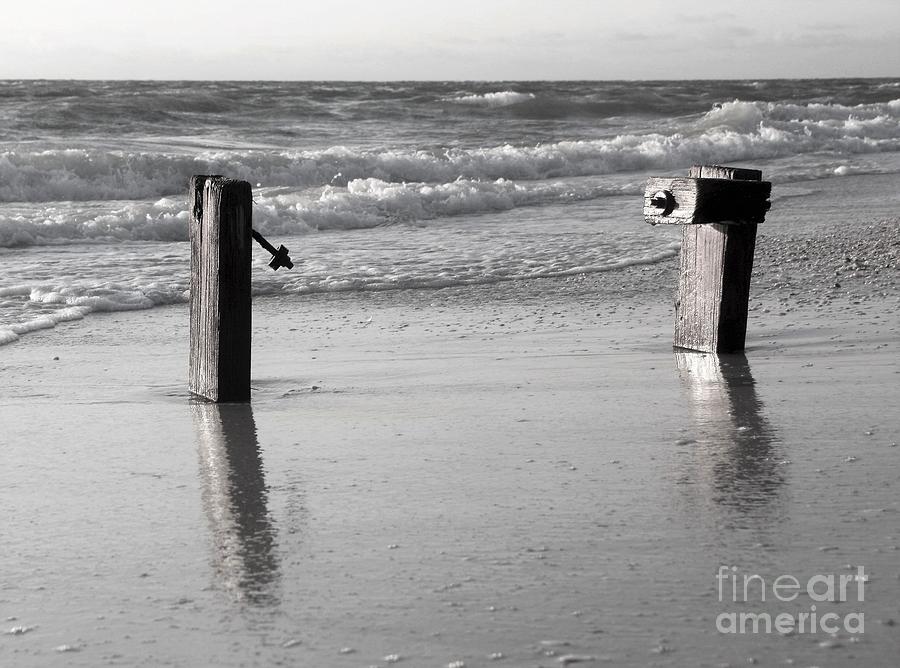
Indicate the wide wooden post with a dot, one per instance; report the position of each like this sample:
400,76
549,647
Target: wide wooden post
220,288
720,208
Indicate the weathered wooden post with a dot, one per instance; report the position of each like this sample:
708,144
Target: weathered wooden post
220,211
719,208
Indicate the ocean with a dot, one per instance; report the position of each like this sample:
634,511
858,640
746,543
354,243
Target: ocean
385,186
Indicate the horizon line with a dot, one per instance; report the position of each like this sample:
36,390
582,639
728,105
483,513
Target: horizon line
452,80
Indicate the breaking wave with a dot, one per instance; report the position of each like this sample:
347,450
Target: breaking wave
499,99
732,131
362,203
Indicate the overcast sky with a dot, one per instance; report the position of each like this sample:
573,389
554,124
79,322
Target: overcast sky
449,39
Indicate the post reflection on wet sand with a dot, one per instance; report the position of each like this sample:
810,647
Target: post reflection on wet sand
736,459
235,500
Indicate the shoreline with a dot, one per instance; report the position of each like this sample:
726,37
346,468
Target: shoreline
823,282
800,229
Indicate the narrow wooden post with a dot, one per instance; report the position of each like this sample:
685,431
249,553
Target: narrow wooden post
220,288
720,208
714,283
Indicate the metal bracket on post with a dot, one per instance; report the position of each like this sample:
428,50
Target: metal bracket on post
719,208
280,257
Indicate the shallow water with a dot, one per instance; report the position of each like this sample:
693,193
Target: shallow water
379,186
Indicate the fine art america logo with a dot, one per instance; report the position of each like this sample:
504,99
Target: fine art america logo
822,590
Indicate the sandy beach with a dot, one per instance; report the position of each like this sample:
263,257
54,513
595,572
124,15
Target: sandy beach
517,474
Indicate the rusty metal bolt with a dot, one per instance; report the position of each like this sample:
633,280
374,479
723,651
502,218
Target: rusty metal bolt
664,200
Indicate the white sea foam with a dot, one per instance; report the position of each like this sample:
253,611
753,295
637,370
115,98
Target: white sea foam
29,308
813,126
12,332
7,336
363,203
498,99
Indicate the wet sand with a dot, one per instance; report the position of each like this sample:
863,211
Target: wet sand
523,474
